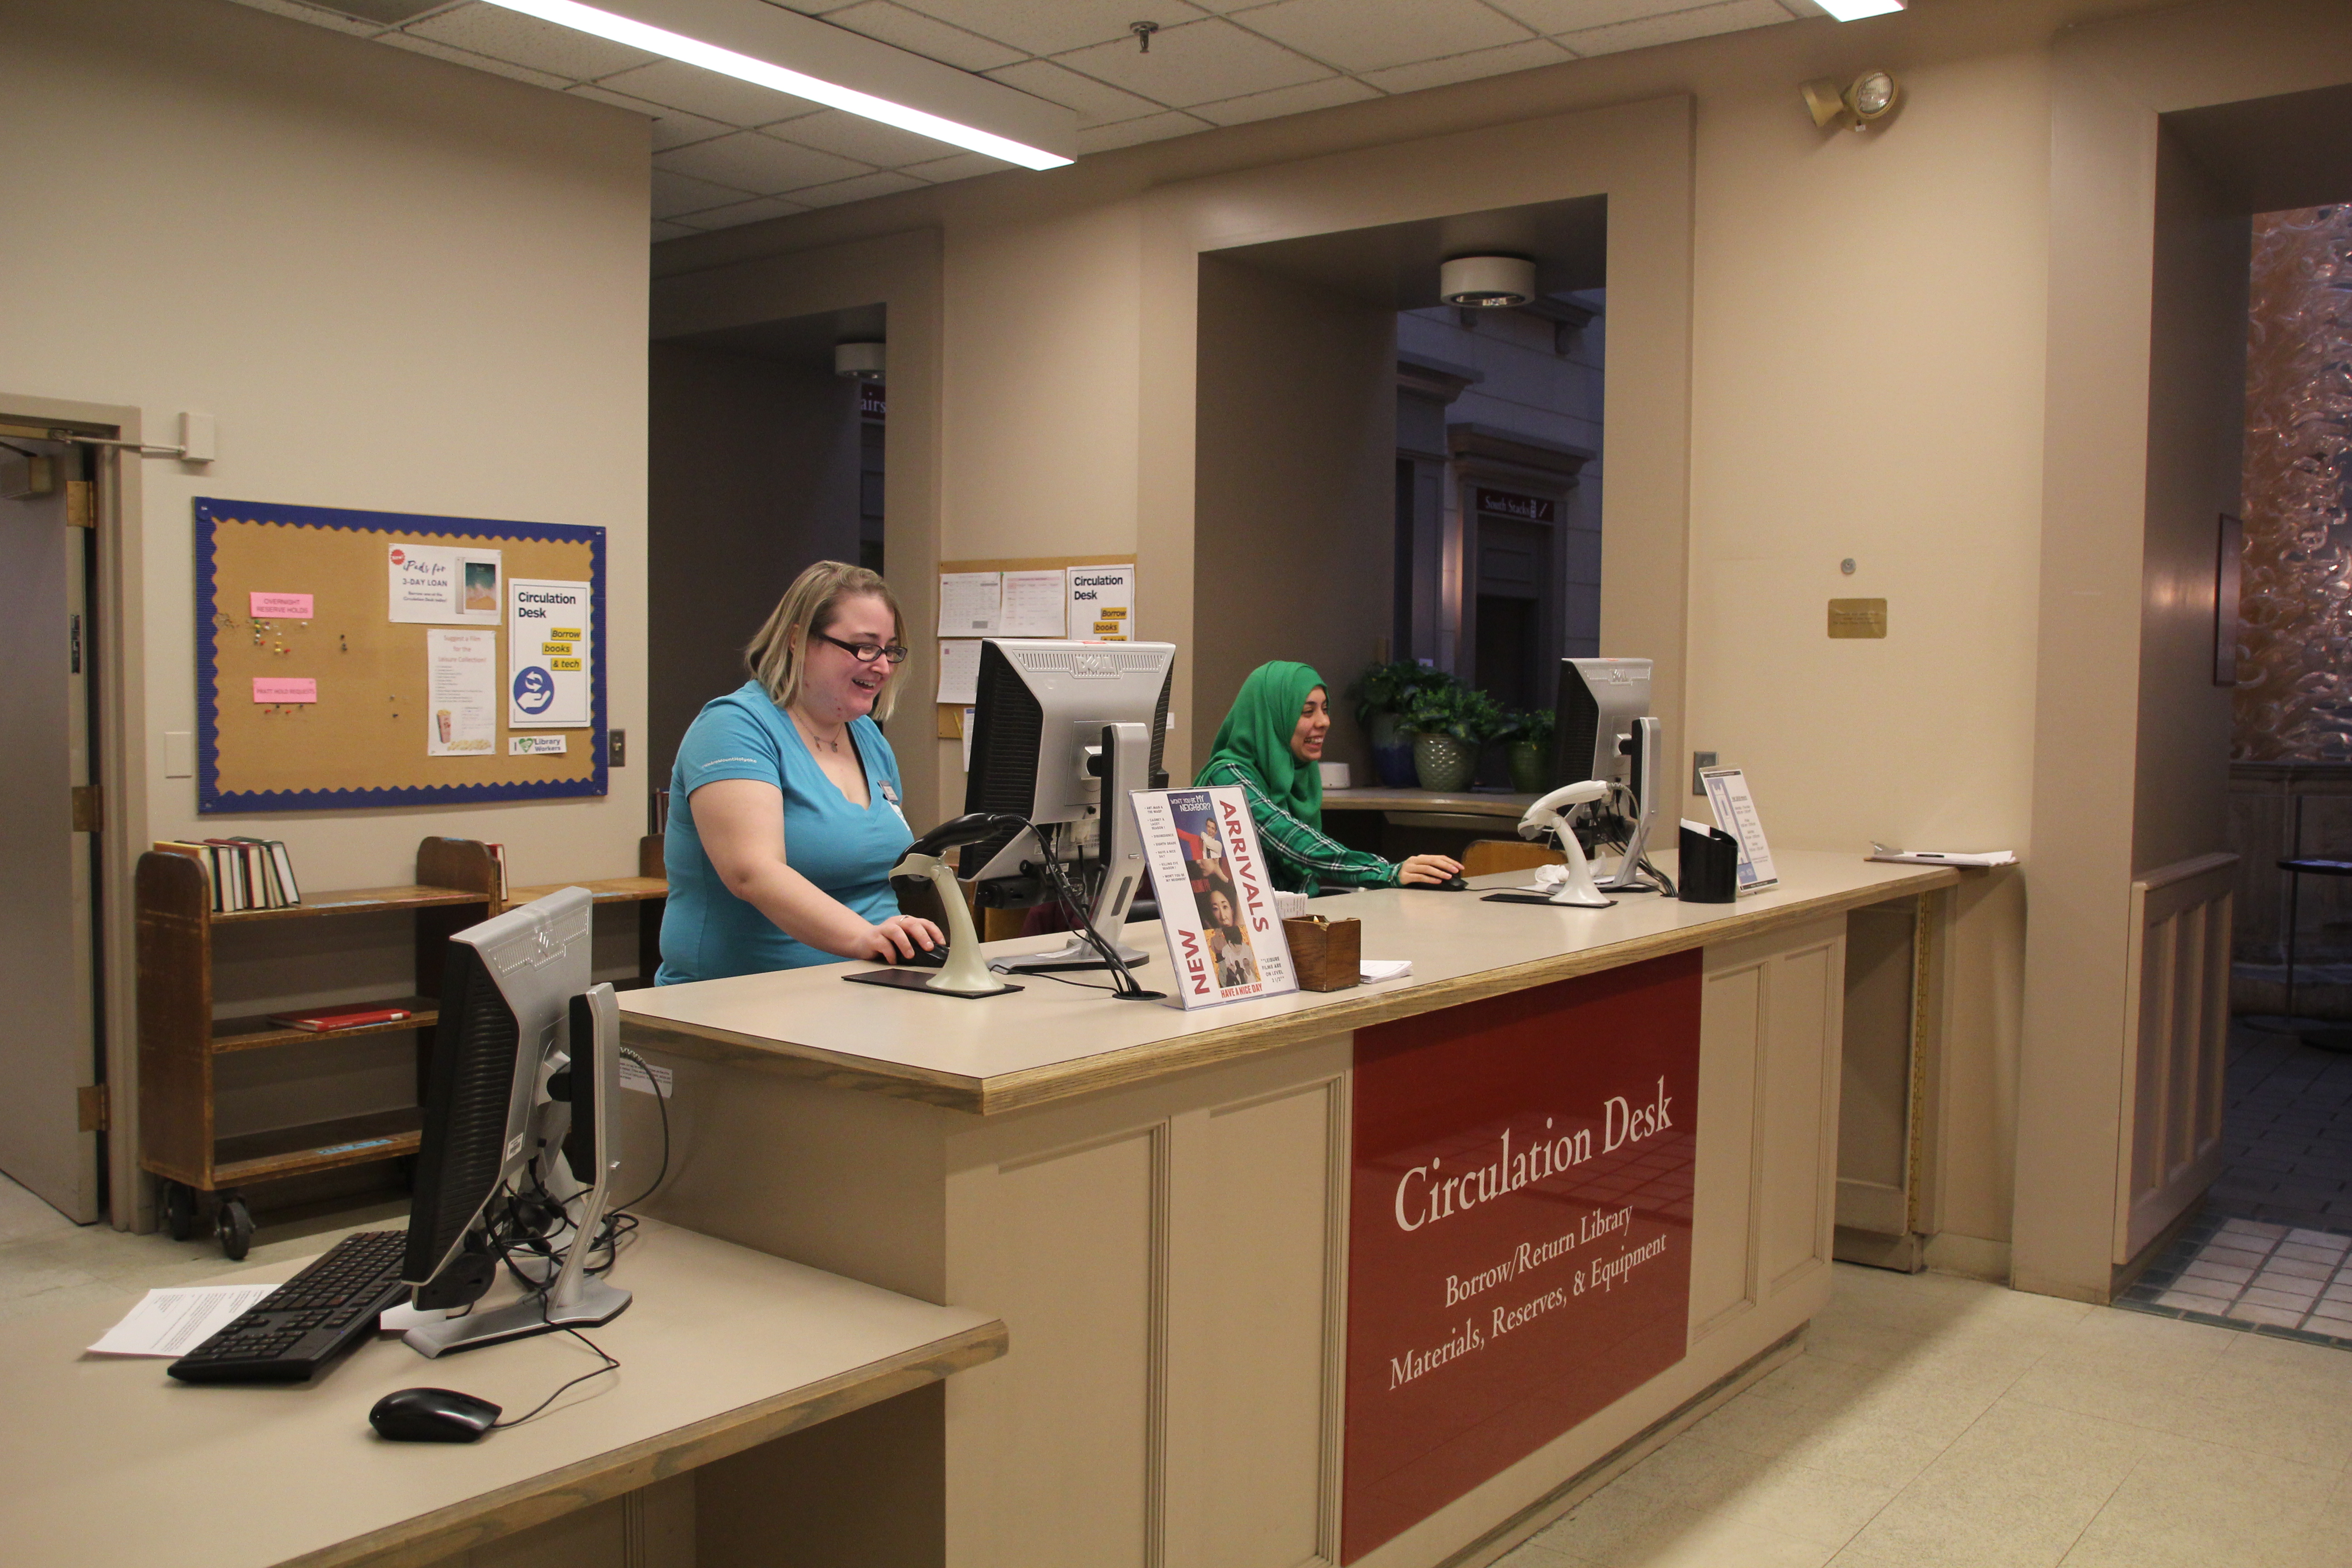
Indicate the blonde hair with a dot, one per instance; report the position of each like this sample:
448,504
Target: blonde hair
779,655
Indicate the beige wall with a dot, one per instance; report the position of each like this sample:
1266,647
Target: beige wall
1297,486
398,286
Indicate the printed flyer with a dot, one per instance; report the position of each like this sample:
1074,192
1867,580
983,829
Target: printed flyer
547,642
443,584
1217,899
461,672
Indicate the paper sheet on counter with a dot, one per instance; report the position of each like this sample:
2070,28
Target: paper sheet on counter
959,671
1942,857
174,1320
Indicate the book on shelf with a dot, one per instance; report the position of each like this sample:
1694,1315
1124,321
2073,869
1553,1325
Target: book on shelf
498,855
242,873
323,1020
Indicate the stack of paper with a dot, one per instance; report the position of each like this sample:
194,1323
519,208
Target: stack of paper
1372,969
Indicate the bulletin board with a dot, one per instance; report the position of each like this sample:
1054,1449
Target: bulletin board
364,740
950,716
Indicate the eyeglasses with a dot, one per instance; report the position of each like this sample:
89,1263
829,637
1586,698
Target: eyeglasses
866,653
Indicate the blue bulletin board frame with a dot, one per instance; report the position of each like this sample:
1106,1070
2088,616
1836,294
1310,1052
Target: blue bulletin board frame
212,799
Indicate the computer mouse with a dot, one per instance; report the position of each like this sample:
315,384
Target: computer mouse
431,1416
925,958
1450,885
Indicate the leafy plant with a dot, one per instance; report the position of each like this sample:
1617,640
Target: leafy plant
1467,714
1532,725
1392,687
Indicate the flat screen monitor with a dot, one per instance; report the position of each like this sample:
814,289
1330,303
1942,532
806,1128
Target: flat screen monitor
1593,727
525,1059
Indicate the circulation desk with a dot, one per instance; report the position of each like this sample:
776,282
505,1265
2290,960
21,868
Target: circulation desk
1380,1276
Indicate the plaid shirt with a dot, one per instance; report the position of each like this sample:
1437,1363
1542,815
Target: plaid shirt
1303,857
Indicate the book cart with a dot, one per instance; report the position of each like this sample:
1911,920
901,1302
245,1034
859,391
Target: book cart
180,1040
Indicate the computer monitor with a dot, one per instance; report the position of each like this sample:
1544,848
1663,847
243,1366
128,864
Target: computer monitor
1603,729
1061,731
526,1059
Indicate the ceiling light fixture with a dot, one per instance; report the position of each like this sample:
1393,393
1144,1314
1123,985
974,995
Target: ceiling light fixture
1869,97
773,31
1486,282
861,362
1855,10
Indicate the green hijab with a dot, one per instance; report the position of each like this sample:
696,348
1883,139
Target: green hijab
1256,734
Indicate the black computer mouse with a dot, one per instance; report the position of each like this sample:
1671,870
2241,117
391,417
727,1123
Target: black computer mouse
1450,885
431,1416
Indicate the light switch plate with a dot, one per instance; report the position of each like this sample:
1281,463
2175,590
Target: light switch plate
1700,760
616,748
179,753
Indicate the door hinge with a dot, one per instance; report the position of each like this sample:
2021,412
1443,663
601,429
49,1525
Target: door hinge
81,503
89,808
90,1111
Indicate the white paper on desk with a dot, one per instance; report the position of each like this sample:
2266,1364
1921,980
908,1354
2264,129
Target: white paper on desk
1034,604
1943,857
971,604
959,671
173,1322
1369,970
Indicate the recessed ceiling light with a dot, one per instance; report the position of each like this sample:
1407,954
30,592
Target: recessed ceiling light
1855,10
770,25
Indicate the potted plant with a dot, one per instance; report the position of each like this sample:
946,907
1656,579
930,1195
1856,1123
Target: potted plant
1530,750
1448,724
1383,694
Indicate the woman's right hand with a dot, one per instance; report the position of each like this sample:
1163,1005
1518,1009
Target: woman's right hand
899,937
1427,869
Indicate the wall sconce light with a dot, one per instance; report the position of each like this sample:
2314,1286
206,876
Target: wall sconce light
1486,282
859,362
1869,97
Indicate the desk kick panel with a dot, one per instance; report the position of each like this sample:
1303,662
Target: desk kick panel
1519,1231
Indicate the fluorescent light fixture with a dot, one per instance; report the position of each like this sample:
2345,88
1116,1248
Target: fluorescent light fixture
1843,10
766,21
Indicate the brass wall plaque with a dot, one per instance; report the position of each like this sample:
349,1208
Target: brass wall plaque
1857,618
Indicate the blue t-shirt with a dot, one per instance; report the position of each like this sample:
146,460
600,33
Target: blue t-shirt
706,932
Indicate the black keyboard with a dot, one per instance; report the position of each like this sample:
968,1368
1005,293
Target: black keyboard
309,1321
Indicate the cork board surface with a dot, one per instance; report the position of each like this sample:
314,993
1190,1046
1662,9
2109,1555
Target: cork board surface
363,741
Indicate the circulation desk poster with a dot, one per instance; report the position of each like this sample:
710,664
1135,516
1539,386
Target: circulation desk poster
547,638
1518,1229
1216,902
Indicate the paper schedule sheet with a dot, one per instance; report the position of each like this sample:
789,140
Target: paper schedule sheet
173,1322
971,604
1034,604
958,670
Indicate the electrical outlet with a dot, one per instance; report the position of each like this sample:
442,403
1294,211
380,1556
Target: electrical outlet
1700,760
616,748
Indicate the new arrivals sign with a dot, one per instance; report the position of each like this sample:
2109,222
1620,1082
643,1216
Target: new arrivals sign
1519,1228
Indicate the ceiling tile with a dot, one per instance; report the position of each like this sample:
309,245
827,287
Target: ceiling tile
706,93
1203,62
737,213
1371,34
962,167
672,127
1574,16
675,194
312,14
1282,101
853,136
1699,22
1097,103
523,40
1051,26
1470,66
922,35
856,190
476,62
1129,133
757,164
663,229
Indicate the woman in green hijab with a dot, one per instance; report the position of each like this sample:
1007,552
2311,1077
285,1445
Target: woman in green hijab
1269,747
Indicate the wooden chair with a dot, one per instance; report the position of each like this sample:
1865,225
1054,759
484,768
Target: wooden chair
1486,855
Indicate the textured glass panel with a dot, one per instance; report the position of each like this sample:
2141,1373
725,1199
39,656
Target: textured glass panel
2294,662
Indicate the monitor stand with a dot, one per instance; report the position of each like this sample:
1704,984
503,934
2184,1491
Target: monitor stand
1627,877
1125,761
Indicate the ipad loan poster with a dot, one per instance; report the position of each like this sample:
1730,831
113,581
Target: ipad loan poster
548,634
1216,900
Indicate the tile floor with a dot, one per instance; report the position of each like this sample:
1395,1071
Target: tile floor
2272,1277
1931,1421
2287,1134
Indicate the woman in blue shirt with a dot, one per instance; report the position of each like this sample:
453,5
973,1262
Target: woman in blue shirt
785,804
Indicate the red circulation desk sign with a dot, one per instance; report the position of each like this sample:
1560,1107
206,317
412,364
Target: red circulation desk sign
1519,1239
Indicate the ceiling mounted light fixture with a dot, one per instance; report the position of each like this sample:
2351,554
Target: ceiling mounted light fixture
1486,282
1855,10
861,362
1869,97
748,39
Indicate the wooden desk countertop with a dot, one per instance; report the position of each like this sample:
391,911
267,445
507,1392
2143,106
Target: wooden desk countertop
105,1460
1053,1041
1449,804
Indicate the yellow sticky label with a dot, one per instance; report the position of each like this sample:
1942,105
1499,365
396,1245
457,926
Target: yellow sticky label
555,648
563,632
1110,626
563,664
1113,612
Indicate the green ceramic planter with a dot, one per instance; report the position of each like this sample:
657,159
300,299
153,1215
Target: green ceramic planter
1442,762
1528,767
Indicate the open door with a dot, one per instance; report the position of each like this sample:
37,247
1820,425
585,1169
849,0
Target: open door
48,813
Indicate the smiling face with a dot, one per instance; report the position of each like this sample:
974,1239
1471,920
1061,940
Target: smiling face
1314,724
834,687
1220,909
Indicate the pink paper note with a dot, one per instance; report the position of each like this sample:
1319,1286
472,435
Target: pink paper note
279,607
283,690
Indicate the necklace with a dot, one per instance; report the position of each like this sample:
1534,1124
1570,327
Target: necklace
808,729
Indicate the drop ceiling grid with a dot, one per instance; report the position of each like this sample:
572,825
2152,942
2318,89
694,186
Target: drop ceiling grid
727,152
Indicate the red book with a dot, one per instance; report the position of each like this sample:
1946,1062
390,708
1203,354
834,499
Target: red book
326,1018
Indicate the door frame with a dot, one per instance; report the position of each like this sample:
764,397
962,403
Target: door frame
115,592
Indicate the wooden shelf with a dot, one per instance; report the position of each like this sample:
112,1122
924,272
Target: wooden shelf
359,902
606,890
320,1146
255,1034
